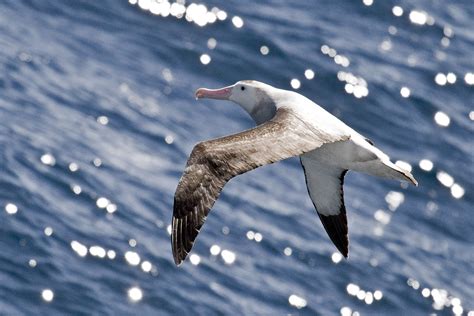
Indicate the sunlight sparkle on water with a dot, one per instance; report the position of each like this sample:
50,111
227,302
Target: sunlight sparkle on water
405,92
196,13
309,74
346,311
132,258
215,250
102,202
237,21
73,167
354,85
386,45
441,79
457,191
418,17
47,295
48,159
352,289
48,231
361,295
297,301
103,120
97,162
195,259
295,83
146,266
382,217
11,208
97,251
111,208
264,50
426,165
135,294
442,119
360,91
228,256
378,295
32,263
287,251
369,298
469,78
211,43
79,248
336,257
368,2
397,10
451,78
111,254
76,189
394,199
445,179
205,59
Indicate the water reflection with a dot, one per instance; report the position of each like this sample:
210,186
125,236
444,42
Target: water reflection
295,83
237,21
336,257
442,119
135,294
228,256
132,258
205,59
194,259
47,295
11,208
426,165
440,297
397,10
297,301
367,296
264,50
48,159
215,250
309,74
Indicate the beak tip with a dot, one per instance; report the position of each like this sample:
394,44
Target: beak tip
198,94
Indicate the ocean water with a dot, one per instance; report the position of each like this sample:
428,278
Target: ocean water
98,117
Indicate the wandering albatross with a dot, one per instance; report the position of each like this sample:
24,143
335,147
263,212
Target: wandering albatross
288,125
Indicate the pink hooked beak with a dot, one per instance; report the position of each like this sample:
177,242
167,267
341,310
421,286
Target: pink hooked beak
221,94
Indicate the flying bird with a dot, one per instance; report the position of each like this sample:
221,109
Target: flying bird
288,125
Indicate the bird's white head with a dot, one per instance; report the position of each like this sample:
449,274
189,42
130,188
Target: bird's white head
255,97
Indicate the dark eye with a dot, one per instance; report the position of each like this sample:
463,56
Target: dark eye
242,88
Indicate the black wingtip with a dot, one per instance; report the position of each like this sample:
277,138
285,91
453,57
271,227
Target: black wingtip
336,228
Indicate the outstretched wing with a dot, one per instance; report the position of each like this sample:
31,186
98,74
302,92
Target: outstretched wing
213,163
325,188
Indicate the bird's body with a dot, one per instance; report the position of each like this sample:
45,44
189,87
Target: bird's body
289,125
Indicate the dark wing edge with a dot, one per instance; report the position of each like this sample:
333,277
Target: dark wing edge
335,225
213,163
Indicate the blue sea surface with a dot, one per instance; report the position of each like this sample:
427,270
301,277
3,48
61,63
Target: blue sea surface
98,117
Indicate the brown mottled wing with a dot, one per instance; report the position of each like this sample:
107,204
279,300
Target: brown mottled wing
213,163
325,188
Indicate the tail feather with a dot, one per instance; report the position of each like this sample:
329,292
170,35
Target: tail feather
406,175
385,169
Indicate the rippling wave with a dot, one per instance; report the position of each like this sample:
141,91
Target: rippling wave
98,118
